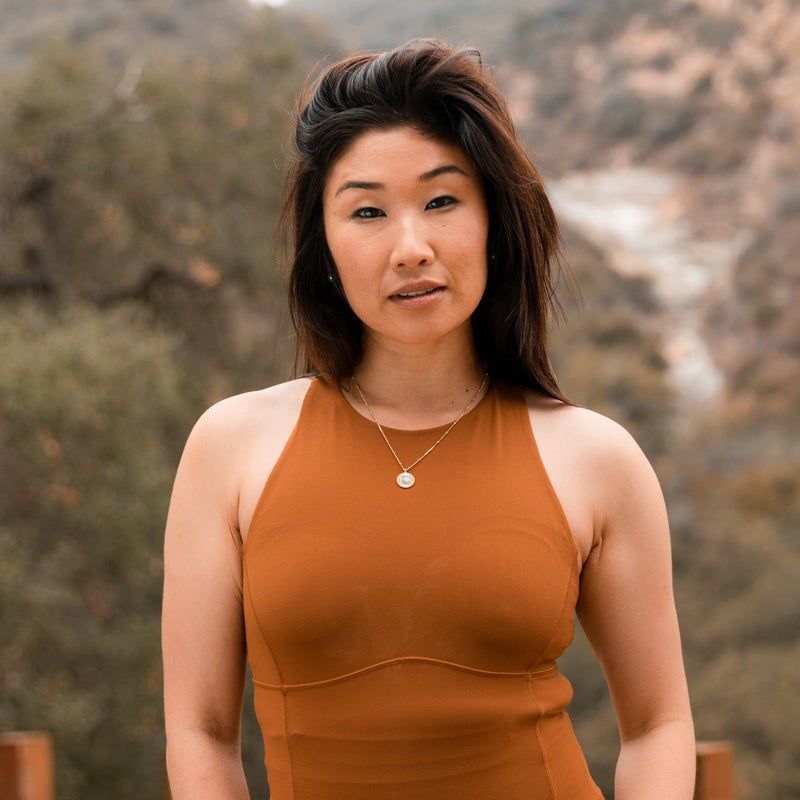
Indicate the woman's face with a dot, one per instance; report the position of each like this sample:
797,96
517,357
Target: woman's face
400,207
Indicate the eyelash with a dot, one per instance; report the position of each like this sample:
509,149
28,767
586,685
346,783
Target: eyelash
357,215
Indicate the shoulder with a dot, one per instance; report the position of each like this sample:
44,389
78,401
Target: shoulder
596,435
234,414
599,436
224,433
222,450
599,448
627,484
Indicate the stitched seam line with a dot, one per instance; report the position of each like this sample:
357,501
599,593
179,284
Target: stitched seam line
287,736
258,625
280,675
541,743
380,664
533,442
272,477
560,612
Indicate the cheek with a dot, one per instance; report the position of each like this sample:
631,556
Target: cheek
337,244
349,254
468,265
466,248
357,274
339,238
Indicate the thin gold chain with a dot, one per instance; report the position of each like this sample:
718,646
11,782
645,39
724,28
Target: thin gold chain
400,463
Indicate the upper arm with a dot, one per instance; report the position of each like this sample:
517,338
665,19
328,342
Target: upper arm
202,628
626,604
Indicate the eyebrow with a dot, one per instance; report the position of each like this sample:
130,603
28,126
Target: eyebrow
426,176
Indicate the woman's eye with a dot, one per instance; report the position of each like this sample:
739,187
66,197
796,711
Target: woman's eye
359,215
445,197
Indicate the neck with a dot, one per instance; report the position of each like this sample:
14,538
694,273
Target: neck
416,389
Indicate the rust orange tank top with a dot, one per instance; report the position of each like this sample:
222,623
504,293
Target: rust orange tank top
403,642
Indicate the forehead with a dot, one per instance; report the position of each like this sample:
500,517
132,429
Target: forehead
378,153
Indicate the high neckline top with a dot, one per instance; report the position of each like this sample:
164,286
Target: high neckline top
423,431
403,641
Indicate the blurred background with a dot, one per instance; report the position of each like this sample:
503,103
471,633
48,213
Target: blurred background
142,147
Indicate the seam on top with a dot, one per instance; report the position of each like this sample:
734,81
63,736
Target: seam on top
387,662
541,743
531,436
278,670
573,573
287,738
557,627
270,479
258,624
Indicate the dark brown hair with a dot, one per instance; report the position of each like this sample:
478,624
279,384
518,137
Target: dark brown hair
444,92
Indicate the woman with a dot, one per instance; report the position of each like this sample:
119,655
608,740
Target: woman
385,539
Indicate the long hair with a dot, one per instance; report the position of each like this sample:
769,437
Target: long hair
444,92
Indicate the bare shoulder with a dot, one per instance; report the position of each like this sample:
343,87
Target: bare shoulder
239,423
257,425
242,435
610,450
240,410
587,455
590,434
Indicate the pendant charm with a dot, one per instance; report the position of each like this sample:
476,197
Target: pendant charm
405,480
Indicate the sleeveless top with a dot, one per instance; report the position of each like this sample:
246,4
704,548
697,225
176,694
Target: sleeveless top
403,642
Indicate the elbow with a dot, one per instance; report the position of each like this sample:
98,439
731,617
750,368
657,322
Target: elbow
682,724
209,732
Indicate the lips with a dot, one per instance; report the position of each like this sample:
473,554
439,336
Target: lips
428,298
418,286
417,292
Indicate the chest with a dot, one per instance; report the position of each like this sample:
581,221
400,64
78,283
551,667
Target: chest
558,451
357,570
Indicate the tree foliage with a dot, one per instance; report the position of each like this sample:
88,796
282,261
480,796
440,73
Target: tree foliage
90,402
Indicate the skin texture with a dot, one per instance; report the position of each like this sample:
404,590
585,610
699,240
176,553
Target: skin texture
419,370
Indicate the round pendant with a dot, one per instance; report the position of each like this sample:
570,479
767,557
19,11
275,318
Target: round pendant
405,480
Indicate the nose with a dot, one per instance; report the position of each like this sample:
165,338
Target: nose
412,247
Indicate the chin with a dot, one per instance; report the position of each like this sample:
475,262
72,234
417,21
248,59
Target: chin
419,334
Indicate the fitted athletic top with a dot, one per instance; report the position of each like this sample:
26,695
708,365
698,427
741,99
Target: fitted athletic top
403,641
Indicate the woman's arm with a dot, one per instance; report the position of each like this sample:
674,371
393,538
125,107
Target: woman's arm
627,610
202,629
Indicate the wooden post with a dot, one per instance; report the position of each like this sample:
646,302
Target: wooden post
26,765
714,780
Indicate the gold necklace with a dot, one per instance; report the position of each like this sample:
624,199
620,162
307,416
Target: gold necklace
405,480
